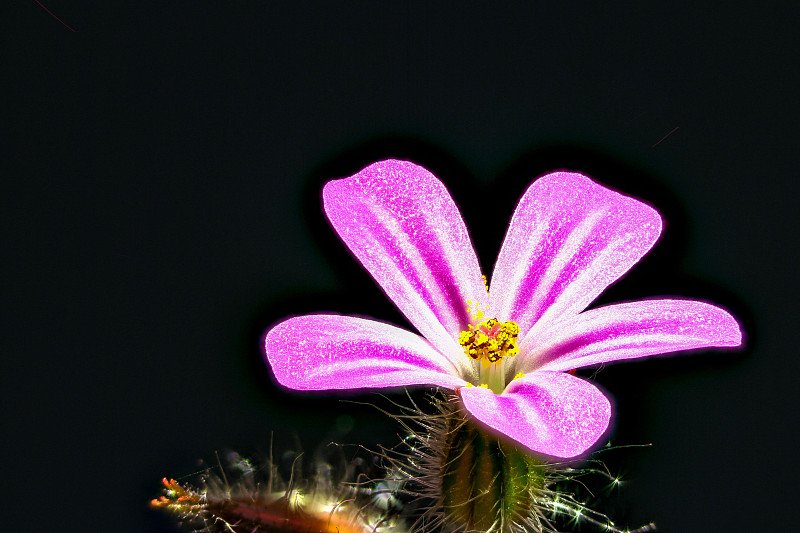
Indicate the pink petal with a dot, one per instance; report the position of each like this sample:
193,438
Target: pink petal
402,225
320,352
549,412
569,239
630,330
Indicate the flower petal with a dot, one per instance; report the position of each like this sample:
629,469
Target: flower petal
321,352
569,239
549,412
402,225
631,330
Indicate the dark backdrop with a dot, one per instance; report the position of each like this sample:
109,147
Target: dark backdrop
161,208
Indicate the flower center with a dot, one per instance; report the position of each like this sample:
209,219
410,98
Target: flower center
490,341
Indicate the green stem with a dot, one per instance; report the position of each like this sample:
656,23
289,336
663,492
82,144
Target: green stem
489,484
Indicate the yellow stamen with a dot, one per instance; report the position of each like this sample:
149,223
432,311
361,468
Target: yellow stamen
490,341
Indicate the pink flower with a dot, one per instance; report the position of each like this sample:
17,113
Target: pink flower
568,240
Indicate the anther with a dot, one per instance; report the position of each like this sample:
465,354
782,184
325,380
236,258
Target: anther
489,341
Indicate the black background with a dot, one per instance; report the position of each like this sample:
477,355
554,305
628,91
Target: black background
161,208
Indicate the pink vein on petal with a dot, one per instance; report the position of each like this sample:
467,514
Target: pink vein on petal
549,412
403,226
568,240
319,352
